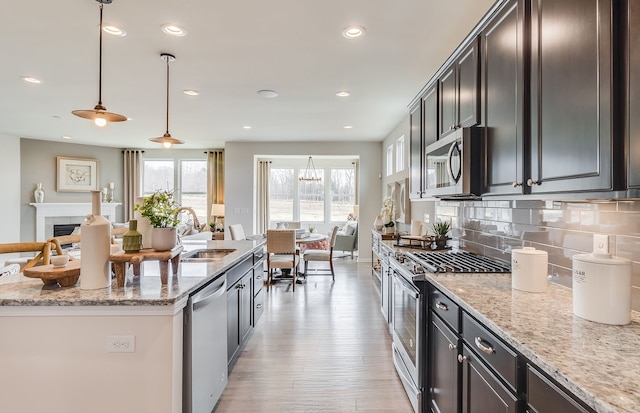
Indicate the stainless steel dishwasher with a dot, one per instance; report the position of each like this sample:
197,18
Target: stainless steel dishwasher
205,347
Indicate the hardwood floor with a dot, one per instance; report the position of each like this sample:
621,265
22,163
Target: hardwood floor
323,348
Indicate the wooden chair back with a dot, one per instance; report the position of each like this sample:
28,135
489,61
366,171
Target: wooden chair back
42,248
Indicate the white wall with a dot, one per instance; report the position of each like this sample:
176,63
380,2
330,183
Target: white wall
10,205
240,170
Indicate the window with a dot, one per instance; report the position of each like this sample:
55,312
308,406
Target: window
329,200
390,160
400,154
161,174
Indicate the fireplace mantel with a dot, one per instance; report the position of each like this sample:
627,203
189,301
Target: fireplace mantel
46,210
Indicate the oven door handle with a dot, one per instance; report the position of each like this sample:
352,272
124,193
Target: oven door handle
406,286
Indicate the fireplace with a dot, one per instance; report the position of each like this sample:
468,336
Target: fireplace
49,214
64,229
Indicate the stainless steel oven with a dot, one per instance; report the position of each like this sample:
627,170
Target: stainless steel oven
453,164
408,326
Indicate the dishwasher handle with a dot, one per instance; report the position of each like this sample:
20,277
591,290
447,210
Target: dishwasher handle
206,296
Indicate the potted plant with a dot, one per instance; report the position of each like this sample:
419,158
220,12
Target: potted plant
440,230
161,209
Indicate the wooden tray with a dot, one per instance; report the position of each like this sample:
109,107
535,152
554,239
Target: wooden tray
66,276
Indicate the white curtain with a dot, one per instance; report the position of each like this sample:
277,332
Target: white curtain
262,214
132,177
215,179
356,168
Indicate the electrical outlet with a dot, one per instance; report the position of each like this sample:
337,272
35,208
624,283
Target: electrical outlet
121,344
426,218
600,244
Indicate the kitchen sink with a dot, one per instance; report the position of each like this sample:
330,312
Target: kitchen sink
206,254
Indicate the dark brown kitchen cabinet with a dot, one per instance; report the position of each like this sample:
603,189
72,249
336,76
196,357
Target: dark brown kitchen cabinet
239,307
458,88
544,396
571,96
444,378
633,79
430,115
502,95
415,151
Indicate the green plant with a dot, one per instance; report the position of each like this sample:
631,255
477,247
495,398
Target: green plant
441,228
160,208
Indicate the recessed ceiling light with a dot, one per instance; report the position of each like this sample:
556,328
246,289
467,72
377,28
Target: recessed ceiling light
343,93
353,32
267,93
191,92
246,127
348,127
173,30
66,137
30,79
114,30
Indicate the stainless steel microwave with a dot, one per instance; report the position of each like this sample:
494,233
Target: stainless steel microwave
453,165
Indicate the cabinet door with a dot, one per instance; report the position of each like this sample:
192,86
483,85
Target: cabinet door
633,114
571,103
482,392
448,109
467,87
415,152
246,306
233,317
502,96
444,368
430,115
543,396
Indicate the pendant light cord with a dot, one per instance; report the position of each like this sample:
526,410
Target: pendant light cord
167,93
100,70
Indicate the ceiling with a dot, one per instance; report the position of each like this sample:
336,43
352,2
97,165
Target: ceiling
232,49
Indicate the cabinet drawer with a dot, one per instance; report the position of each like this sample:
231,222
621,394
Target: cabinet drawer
446,309
258,306
238,271
488,347
543,396
258,278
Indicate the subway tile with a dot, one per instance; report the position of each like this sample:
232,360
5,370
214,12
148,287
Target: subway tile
635,299
498,204
629,205
533,234
504,215
488,240
521,216
613,222
635,274
561,276
560,218
556,256
628,247
574,240
508,244
498,254
527,204
490,214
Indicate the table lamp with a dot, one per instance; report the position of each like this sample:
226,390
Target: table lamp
217,211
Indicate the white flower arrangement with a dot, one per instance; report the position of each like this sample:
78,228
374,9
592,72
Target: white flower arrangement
388,209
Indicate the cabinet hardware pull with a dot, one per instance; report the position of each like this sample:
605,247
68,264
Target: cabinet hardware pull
461,358
516,184
441,306
532,182
258,305
488,350
452,347
258,277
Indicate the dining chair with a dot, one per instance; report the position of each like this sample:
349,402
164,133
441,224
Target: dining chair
282,254
237,232
321,255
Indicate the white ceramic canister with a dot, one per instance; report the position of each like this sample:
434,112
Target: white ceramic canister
602,288
95,246
529,270
144,225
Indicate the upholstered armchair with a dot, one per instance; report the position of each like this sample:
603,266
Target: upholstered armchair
347,238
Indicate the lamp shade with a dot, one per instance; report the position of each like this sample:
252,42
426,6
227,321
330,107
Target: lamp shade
356,210
217,210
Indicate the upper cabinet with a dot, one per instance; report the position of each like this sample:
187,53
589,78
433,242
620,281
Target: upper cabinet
633,79
458,85
502,94
571,96
423,118
415,151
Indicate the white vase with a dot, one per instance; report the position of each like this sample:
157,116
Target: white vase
377,224
95,247
144,225
38,194
163,239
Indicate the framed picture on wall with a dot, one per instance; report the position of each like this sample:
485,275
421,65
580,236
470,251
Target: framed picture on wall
76,174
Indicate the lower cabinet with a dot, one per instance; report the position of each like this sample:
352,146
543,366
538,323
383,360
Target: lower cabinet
543,396
444,376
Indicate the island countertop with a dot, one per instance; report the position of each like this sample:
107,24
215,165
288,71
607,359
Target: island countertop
599,363
143,290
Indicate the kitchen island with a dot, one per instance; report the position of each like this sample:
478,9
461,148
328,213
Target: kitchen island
112,349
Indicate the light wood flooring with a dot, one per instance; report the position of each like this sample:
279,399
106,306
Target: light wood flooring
323,348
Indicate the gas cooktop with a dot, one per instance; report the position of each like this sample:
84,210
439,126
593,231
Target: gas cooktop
458,261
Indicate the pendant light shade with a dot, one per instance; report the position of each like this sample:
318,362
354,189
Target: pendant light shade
167,140
99,113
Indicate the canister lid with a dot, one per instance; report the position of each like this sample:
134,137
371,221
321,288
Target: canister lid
529,251
606,259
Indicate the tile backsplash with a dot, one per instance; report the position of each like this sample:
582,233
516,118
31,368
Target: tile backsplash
562,228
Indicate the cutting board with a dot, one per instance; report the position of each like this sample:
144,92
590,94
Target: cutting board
66,276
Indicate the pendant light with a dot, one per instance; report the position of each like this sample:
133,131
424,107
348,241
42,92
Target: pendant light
99,113
310,174
167,140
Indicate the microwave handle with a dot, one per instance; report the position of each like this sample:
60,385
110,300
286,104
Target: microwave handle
455,177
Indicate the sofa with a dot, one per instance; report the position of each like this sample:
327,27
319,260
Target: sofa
347,238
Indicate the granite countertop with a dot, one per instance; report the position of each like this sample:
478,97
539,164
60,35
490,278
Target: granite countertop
599,363
144,290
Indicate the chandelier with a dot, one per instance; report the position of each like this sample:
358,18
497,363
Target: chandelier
310,173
